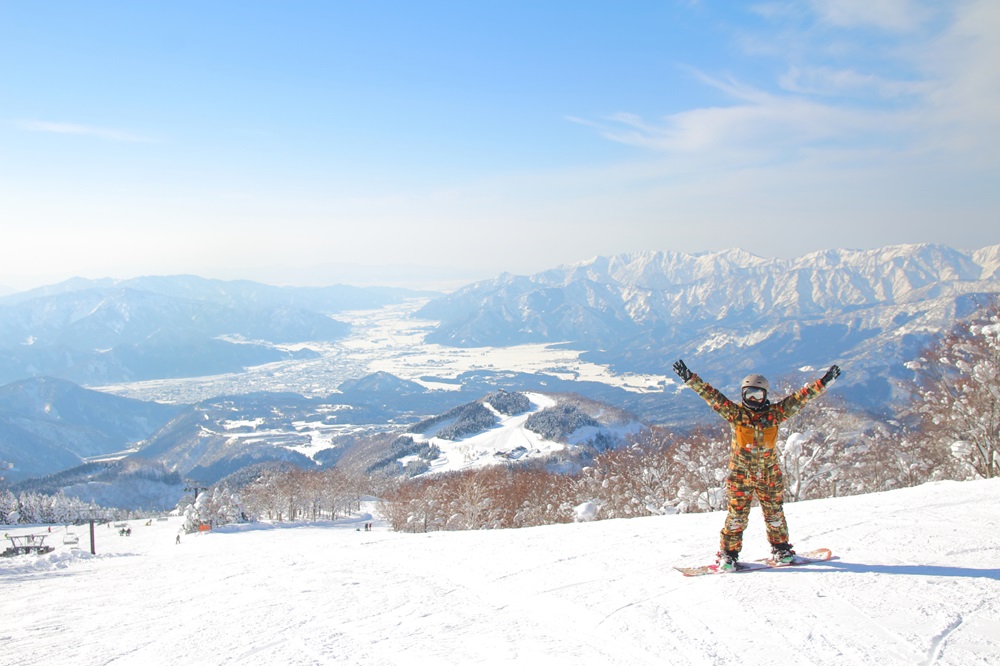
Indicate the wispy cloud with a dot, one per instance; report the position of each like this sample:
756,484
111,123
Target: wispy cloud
890,15
830,82
104,133
906,101
963,63
894,15
757,123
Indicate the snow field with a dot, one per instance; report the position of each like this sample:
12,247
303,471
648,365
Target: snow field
915,582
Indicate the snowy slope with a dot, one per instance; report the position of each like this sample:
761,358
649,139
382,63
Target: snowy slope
916,582
509,440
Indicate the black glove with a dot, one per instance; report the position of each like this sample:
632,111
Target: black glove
682,370
830,375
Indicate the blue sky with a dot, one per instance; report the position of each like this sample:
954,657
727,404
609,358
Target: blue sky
284,141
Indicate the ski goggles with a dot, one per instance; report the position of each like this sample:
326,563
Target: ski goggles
754,394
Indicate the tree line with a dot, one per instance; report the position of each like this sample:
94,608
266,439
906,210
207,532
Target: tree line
278,493
34,508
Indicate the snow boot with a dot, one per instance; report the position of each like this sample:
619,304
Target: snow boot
726,560
782,553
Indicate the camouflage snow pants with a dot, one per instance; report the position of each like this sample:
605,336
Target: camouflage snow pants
754,471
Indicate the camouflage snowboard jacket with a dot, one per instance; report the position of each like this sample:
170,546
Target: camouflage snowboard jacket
755,430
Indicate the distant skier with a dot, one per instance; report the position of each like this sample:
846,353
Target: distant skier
754,467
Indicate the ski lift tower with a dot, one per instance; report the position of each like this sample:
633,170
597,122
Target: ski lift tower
91,515
195,488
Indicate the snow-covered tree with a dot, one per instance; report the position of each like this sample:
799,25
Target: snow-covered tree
959,394
9,512
701,463
471,504
660,472
264,497
612,483
811,449
38,508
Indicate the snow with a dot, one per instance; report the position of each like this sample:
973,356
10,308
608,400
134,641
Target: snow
244,423
586,511
915,581
392,340
507,440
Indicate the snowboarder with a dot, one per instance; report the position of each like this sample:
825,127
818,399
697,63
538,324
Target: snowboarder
753,462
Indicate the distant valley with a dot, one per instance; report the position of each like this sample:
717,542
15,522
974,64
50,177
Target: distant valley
216,376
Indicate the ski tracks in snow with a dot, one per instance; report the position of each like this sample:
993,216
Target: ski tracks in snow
904,592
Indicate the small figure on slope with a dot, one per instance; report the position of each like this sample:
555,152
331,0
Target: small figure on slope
753,461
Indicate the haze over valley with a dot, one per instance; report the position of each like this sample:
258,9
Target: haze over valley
390,340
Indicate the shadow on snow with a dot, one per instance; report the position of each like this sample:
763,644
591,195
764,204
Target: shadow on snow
838,565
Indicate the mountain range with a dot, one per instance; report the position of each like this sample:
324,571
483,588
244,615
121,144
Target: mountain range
48,425
730,313
725,313
150,452
94,332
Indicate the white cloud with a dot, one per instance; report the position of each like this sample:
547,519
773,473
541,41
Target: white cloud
829,81
939,90
893,15
864,137
758,123
963,62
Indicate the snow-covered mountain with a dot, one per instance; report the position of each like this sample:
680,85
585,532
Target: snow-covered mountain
49,425
559,430
130,484
102,331
49,428
724,313
729,312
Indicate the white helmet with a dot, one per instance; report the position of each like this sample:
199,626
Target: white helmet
754,390
760,381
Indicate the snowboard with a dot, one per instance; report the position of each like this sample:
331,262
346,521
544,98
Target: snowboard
806,557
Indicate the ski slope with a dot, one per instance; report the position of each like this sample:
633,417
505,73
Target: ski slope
916,581
509,439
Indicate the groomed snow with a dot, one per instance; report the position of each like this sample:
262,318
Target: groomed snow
916,581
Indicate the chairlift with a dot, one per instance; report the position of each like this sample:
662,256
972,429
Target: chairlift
71,539
27,544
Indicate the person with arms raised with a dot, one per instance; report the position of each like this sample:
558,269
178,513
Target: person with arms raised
754,468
